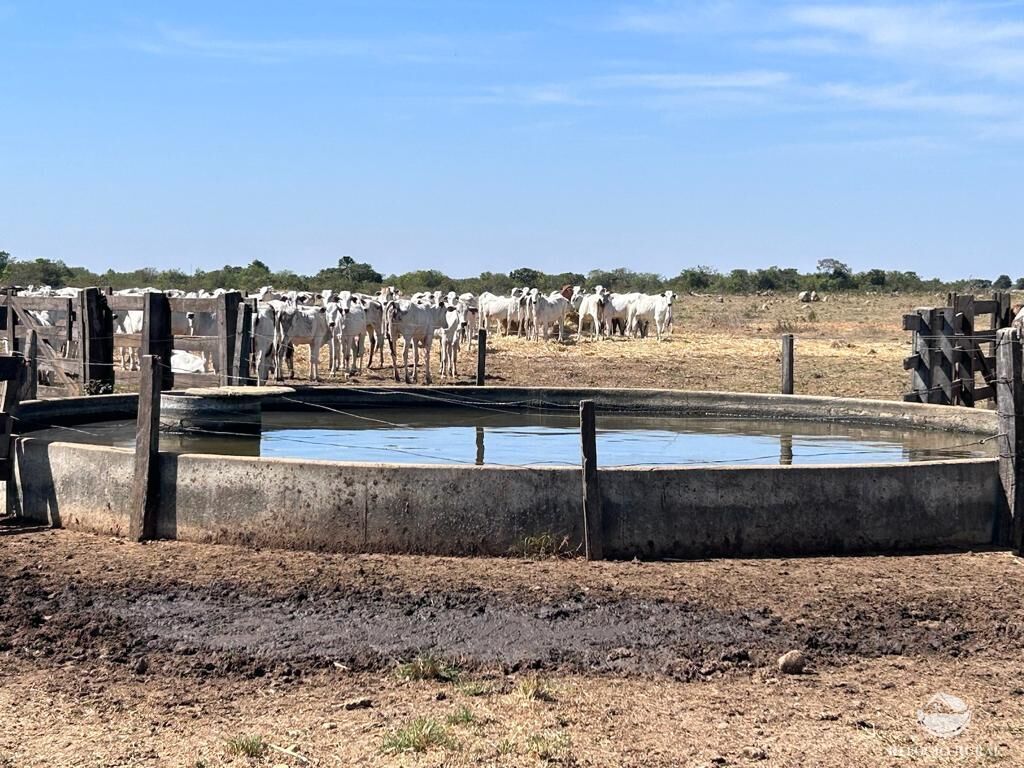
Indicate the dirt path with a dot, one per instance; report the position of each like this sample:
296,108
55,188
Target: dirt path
160,654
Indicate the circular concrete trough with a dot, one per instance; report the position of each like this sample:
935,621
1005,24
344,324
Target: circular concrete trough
648,512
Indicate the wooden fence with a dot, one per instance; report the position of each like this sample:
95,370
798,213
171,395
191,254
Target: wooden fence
73,344
952,346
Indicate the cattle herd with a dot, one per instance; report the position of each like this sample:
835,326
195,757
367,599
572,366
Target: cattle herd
356,326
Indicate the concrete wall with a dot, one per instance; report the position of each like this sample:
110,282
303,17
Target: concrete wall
728,511
449,510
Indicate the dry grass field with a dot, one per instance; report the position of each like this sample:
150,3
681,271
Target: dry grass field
174,654
850,345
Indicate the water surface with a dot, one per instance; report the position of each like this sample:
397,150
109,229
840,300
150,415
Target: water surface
495,436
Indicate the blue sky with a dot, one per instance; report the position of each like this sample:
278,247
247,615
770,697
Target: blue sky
467,135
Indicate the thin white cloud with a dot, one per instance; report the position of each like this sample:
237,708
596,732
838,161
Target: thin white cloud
908,97
179,41
947,34
755,79
544,94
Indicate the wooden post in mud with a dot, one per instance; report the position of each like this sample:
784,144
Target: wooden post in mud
145,499
1010,407
787,363
593,527
481,356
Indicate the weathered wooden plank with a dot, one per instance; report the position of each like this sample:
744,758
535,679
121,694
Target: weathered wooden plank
157,337
243,344
145,499
197,343
30,379
1010,408
481,356
787,363
912,322
195,305
227,319
126,303
985,307
593,524
96,342
37,303
910,363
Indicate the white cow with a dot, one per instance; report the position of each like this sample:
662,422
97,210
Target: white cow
616,311
591,307
450,335
351,334
647,309
301,325
415,324
547,311
264,329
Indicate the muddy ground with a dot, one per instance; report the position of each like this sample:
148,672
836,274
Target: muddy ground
166,653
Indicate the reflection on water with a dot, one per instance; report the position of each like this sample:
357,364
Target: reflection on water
493,436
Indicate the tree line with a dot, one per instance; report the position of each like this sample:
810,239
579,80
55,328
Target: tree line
830,276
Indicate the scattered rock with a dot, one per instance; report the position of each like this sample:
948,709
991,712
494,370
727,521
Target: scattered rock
792,663
754,753
440,696
360,703
329,726
828,716
141,666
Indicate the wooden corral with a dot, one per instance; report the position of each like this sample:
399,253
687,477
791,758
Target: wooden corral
75,345
951,347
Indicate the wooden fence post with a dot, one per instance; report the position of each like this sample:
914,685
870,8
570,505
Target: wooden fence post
145,499
1010,407
227,322
243,345
157,339
787,363
481,356
30,386
96,342
593,527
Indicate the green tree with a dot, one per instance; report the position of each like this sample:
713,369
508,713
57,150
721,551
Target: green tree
1002,283
526,276
875,277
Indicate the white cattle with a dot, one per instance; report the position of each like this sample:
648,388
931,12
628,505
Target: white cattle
414,324
187,362
591,307
547,311
616,311
301,325
503,309
351,334
647,309
264,329
450,333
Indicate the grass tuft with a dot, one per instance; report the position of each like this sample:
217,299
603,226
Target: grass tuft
549,747
247,746
476,688
461,716
427,667
419,735
544,545
535,688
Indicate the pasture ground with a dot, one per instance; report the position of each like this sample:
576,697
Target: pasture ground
850,345
172,654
